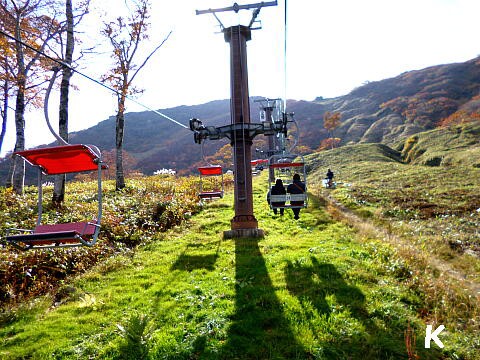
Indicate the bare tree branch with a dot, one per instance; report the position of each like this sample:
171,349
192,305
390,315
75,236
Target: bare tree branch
149,56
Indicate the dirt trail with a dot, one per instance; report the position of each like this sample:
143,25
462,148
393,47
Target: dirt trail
340,212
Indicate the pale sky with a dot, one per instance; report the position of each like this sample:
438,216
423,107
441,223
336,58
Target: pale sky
333,46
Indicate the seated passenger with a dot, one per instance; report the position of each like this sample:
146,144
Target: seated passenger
296,187
277,189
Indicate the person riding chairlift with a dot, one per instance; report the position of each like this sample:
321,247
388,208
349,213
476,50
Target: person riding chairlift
296,187
277,189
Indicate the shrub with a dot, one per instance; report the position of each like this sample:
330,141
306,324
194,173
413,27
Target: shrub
130,217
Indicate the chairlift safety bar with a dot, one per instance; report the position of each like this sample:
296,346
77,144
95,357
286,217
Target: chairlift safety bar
286,165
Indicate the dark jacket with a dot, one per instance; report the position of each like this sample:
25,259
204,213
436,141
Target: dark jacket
277,189
297,187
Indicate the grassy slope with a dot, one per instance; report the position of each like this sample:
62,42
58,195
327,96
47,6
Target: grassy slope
430,214
310,289
456,145
435,206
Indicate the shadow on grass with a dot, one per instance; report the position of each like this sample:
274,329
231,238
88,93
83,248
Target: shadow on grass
318,283
189,262
192,262
314,283
259,329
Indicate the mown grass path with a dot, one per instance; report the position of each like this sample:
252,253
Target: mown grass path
311,289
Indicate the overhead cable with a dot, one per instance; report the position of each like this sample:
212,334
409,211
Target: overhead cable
91,79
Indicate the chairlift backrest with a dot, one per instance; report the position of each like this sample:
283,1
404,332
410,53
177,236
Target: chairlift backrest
283,168
63,159
211,170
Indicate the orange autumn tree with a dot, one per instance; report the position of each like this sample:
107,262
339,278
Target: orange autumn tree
331,121
328,143
34,23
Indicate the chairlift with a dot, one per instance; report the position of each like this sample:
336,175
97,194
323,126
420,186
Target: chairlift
211,179
258,165
62,159
285,167
213,189
67,159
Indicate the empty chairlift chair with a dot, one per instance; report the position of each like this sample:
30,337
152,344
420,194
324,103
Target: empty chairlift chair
54,161
211,182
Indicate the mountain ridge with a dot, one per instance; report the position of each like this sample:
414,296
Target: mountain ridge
385,111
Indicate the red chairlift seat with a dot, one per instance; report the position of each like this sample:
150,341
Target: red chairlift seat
54,161
208,171
56,235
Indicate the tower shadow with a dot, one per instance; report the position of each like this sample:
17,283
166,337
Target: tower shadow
259,329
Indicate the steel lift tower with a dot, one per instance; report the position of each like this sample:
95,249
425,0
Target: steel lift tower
241,130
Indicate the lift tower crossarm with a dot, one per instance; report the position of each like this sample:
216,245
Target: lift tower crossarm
236,7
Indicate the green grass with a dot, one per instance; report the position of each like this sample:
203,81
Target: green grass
430,214
311,289
435,207
456,145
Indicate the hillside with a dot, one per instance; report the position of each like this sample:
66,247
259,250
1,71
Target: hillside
455,145
409,192
386,111
311,289
394,247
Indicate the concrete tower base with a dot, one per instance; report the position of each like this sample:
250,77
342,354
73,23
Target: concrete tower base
243,233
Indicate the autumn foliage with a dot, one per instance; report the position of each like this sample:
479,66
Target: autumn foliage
424,108
145,208
331,120
459,117
328,143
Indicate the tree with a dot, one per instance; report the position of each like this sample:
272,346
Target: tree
327,143
66,54
6,81
28,21
330,122
125,36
